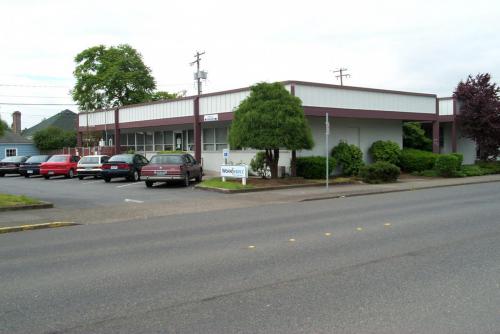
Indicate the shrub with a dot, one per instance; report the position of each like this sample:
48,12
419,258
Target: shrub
414,137
446,165
472,170
490,167
348,157
314,167
259,165
460,158
416,161
385,151
379,172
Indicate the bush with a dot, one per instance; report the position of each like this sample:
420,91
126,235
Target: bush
446,165
472,170
259,165
379,172
385,151
416,161
314,167
348,157
490,167
414,137
460,158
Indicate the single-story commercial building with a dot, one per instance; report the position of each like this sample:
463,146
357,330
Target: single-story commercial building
200,124
12,143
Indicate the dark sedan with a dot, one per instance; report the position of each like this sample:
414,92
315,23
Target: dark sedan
124,165
32,165
172,167
10,165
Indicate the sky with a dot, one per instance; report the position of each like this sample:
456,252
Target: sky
420,46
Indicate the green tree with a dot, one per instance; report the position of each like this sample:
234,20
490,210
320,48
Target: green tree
53,138
161,95
3,127
111,77
270,119
414,137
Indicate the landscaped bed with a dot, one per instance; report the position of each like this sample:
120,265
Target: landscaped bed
7,200
260,183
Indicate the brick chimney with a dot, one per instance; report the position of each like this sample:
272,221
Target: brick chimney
16,122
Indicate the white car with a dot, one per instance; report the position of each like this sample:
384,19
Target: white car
91,165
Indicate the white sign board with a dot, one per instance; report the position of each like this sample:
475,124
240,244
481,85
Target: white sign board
225,153
235,171
211,118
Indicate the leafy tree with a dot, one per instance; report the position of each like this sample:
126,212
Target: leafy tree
3,127
110,77
479,114
414,137
270,119
161,95
53,138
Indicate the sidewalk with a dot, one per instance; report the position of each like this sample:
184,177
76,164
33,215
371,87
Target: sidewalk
144,211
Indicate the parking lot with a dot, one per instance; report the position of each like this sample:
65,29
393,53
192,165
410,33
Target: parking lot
90,192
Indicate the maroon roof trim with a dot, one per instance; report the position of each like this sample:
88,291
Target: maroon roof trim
446,118
372,114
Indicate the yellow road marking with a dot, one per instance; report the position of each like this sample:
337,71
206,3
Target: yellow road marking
34,226
251,247
328,234
359,229
387,224
291,240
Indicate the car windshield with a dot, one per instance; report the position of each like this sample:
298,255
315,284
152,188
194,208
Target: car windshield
167,159
121,158
89,160
14,159
58,158
37,158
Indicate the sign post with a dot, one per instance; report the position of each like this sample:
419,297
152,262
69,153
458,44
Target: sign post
327,134
225,155
234,171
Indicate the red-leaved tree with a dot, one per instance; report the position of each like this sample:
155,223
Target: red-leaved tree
479,113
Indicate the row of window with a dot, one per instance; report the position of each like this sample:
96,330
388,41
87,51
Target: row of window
213,139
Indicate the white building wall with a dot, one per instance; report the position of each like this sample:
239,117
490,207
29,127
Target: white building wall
361,132
446,107
467,147
213,160
222,103
97,118
169,109
365,100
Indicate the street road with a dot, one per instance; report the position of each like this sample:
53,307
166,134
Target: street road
425,261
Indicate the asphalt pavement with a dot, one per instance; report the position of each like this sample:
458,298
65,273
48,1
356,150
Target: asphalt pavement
424,261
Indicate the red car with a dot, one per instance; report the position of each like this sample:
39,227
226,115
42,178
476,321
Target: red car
169,167
63,164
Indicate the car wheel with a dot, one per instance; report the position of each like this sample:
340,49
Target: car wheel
186,180
71,174
136,177
2,175
200,177
46,177
27,176
80,178
107,179
149,184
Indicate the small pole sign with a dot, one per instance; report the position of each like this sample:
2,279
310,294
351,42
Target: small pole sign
327,134
234,171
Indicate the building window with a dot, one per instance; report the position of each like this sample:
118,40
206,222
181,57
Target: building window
149,141
159,141
168,140
214,139
10,152
188,144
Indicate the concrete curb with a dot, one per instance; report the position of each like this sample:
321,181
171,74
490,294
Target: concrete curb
21,228
249,190
41,205
386,191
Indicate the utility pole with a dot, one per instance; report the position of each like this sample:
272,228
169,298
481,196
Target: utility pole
199,74
340,71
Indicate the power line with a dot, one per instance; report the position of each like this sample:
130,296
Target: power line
32,86
37,104
37,96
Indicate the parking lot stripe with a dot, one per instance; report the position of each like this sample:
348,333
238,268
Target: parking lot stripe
130,184
133,200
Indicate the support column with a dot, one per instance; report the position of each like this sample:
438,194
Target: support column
293,162
78,133
454,127
197,129
117,131
435,137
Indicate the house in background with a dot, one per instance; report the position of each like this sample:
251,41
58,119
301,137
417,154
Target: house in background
65,120
12,143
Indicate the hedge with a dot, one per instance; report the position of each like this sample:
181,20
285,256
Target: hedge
314,167
446,165
379,172
348,157
417,161
385,151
